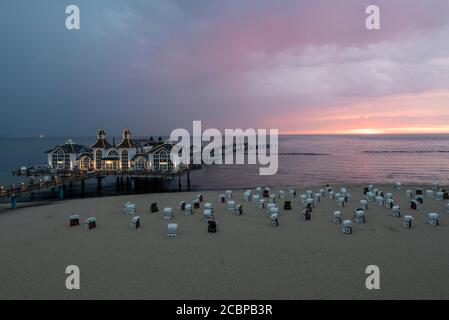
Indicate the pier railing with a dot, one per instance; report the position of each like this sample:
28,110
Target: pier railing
46,178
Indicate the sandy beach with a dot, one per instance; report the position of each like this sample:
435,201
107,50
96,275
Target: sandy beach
247,258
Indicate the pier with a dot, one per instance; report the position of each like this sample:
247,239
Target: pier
61,180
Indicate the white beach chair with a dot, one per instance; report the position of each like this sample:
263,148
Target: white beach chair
317,197
90,223
414,205
272,198
303,198
370,196
341,202
281,194
208,214
371,188
259,191
309,193
228,194
322,192
256,200
292,192
397,186
196,204
262,204
306,214
364,204
439,196
188,210
231,205
172,230
74,220
432,219
409,194
337,196
379,201
360,216
266,192
135,223
389,203
407,221
238,210
310,203
388,195
209,206
168,213
429,194
331,195
396,211
200,197
274,220
419,198
273,210
247,195
347,227
337,217
270,206
129,208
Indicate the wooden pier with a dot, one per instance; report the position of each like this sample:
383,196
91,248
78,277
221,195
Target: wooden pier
46,179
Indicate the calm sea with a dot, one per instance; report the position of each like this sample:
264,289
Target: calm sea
313,160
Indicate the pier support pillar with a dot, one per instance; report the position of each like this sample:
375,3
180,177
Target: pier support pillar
170,185
82,188
13,202
118,183
188,180
61,193
179,183
133,184
32,196
99,186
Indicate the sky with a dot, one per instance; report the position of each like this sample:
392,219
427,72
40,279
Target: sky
303,67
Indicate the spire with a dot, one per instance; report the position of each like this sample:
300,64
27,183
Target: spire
101,143
126,142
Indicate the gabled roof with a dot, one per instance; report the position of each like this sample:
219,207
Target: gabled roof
166,146
70,147
127,142
143,155
85,154
101,143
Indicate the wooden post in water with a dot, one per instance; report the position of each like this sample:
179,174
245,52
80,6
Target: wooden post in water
99,185
61,193
14,202
188,180
82,188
